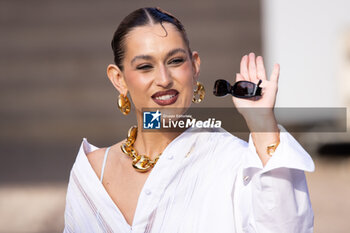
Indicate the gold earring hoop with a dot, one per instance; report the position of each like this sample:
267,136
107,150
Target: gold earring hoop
124,104
199,93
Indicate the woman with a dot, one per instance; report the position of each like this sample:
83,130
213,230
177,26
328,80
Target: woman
186,181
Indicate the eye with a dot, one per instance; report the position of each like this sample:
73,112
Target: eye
176,61
144,67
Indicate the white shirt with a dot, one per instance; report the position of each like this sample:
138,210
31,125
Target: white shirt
207,182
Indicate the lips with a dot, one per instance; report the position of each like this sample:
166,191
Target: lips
165,97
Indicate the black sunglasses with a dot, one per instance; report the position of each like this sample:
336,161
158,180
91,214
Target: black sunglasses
241,89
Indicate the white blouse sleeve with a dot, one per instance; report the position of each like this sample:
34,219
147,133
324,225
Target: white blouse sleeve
275,198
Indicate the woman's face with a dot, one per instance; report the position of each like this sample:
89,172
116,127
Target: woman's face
158,71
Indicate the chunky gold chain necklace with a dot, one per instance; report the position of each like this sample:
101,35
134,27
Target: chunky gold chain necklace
141,163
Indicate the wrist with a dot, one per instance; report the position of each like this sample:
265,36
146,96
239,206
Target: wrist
251,114
262,122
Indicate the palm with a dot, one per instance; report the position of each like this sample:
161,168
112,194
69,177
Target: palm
252,69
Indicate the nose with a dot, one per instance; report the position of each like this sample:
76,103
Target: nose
163,77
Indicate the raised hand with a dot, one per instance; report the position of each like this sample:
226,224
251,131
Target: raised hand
258,111
252,69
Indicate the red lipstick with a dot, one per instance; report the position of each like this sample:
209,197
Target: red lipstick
165,97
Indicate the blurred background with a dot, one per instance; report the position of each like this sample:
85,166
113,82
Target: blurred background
54,90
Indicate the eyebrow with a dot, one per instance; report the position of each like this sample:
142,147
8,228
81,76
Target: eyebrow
148,57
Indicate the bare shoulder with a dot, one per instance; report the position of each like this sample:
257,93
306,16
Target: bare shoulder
96,157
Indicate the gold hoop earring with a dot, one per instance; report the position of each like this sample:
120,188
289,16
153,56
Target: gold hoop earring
199,93
124,104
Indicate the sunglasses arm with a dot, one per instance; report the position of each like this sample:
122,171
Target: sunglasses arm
257,91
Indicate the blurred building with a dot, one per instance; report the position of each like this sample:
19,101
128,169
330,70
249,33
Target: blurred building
310,39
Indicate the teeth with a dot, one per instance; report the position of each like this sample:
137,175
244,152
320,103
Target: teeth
165,97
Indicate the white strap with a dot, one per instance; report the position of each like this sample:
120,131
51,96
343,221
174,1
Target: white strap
104,163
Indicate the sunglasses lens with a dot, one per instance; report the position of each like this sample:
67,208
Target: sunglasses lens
221,87
244,88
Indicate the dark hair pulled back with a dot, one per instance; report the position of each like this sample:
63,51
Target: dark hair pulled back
141,17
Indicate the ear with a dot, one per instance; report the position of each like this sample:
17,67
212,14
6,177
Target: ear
116,77
196,63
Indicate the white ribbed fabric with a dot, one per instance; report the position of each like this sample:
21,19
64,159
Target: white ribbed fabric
207,182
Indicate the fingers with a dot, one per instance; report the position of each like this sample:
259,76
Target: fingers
275,73
252,67
244,67
261,73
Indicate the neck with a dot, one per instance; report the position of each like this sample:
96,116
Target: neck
153,142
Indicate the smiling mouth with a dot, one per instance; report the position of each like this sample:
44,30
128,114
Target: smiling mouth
165,97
